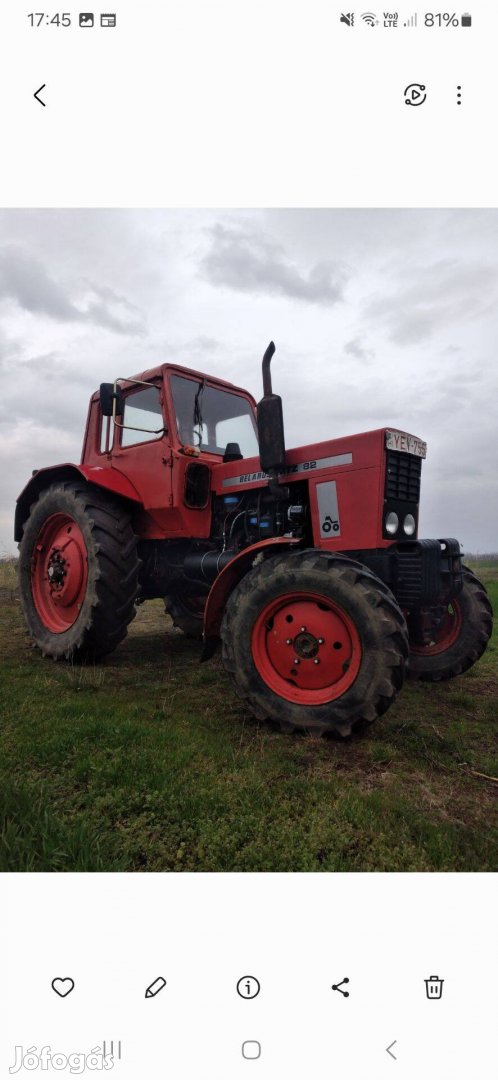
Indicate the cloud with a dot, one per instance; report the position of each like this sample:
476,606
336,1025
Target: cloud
203,343
358,351
432,297
106,308
248,260
10,350
24,280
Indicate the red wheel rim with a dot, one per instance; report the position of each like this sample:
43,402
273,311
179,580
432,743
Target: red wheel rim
446,634
295,631
59,572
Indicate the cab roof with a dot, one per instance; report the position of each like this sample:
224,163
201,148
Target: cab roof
177,369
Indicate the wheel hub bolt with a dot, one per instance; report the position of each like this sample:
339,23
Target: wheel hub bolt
296,661
316,661
321,641
289,641
303,628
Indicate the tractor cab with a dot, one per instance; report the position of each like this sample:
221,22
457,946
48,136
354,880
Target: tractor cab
197,414
166,431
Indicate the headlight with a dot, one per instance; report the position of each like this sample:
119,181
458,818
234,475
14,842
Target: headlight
409,525
392,522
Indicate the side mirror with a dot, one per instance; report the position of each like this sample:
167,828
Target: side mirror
271,434
109,395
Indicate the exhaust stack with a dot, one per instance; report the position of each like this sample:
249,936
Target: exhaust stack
270,424
267,358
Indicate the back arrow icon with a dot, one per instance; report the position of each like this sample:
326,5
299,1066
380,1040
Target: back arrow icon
35,95
389,1048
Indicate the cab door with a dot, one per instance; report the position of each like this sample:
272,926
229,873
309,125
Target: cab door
142,451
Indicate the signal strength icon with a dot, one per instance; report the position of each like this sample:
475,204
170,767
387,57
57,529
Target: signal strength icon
412,21
370,19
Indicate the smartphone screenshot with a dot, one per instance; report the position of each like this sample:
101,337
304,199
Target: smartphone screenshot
248,541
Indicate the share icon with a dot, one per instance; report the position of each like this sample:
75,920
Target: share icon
337,986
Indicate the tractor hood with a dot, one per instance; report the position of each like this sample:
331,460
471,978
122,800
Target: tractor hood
347,454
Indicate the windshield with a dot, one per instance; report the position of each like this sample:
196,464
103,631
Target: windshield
210,418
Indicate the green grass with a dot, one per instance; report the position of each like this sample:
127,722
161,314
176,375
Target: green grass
149,762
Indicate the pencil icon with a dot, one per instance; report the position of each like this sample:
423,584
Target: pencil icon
155,987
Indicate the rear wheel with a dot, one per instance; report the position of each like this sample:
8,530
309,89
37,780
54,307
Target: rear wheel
187,614
460,638
78,572
314,641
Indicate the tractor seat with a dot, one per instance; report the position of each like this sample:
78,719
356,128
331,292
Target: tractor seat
232,452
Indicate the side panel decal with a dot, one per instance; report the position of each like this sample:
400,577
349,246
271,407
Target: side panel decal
328,509
302,466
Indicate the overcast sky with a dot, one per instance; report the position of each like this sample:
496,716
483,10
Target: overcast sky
379,317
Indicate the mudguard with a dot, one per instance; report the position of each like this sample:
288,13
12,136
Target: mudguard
110,479
226,581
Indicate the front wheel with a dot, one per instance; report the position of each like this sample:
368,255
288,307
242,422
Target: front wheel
460,637
314,641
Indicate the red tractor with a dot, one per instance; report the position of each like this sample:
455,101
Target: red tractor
304,562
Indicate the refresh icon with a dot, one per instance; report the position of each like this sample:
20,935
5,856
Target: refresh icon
415,94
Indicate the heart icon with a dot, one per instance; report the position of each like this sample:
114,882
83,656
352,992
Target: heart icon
63,987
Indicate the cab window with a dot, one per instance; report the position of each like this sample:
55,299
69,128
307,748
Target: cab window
209,418
142,417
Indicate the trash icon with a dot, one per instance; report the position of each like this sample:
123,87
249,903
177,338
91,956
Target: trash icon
434,987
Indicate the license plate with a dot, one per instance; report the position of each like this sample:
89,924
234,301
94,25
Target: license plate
407,444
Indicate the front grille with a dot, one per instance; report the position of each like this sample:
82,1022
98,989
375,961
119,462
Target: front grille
403,476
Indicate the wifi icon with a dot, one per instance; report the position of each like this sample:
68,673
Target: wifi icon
370,19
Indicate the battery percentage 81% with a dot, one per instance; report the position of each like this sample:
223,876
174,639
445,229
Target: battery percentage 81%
441,18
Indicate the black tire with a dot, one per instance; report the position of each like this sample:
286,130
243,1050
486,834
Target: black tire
187,616
475,621
368,605
108,602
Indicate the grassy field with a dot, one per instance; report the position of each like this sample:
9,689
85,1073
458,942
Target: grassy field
149,762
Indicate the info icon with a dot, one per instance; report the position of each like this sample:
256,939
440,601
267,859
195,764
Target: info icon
86,18
248,987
